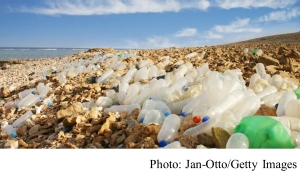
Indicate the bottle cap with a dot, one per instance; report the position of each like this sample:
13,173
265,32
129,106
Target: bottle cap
49,104
33,92
162,143
183,114
276,106
206,118
167,114
196,119
114,87
117,103
142,120
185,88
14,135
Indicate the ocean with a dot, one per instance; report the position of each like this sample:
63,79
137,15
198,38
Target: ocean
24,53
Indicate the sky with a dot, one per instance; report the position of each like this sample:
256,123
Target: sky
142,23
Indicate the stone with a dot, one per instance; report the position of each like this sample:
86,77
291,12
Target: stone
73,109
12,144
33,130
68,88
106,125
206,140
151,131
188,141
265,110
69,121
267,60
22,130
93,113
4,92
220,137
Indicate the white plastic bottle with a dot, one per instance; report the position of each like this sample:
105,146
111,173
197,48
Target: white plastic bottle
267,91
283,101
105,76
124,108
292,108
169,130
26,92
260,69
17,123
163,108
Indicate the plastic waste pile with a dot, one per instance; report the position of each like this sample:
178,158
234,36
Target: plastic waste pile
213,99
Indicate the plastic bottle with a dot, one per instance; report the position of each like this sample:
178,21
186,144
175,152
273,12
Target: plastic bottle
10,130
176,107
48,102
168,130
200,111
104,102
147,106
175,144
89,104
163,108
132,92
292,108
225,104
274,97
259,52
291,123
283,101
17,123
105,76
191,55
144,95
227,121
29,101
264,132
260,69
26,92
129,75
246,50
267,91
142,74
44,91
247,107
153,72
122,91
153,116
276,81
203,54
192,104
238,141
124,108
297,92
254,78
204,127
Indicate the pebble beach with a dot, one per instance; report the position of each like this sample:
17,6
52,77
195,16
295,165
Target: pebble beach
74,120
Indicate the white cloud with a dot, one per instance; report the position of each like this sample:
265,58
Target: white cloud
228,4
187,32
96,7
280,15
212,35
238,26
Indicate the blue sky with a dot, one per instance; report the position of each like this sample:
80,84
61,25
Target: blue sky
142,23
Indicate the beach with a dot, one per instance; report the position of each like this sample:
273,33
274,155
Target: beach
68,123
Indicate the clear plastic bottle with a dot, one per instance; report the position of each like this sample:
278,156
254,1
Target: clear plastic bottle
276,81
105,76
17,123
247,107
129,75
122,91
169,130
48,101
24,93
147,106
238,141
163,108
153,116
176,107
153,71
144,95
191,55
29,101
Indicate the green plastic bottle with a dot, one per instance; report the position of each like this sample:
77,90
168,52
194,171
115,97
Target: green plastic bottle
264,132
298,92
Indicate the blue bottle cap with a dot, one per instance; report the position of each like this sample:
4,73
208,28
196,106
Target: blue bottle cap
14,135
142,120
150,98
183,114
176,140
33,92
276,106
167,114
185,88
49,104
114,87
206,118
117,103
17,107
138,67
162,143
41,98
